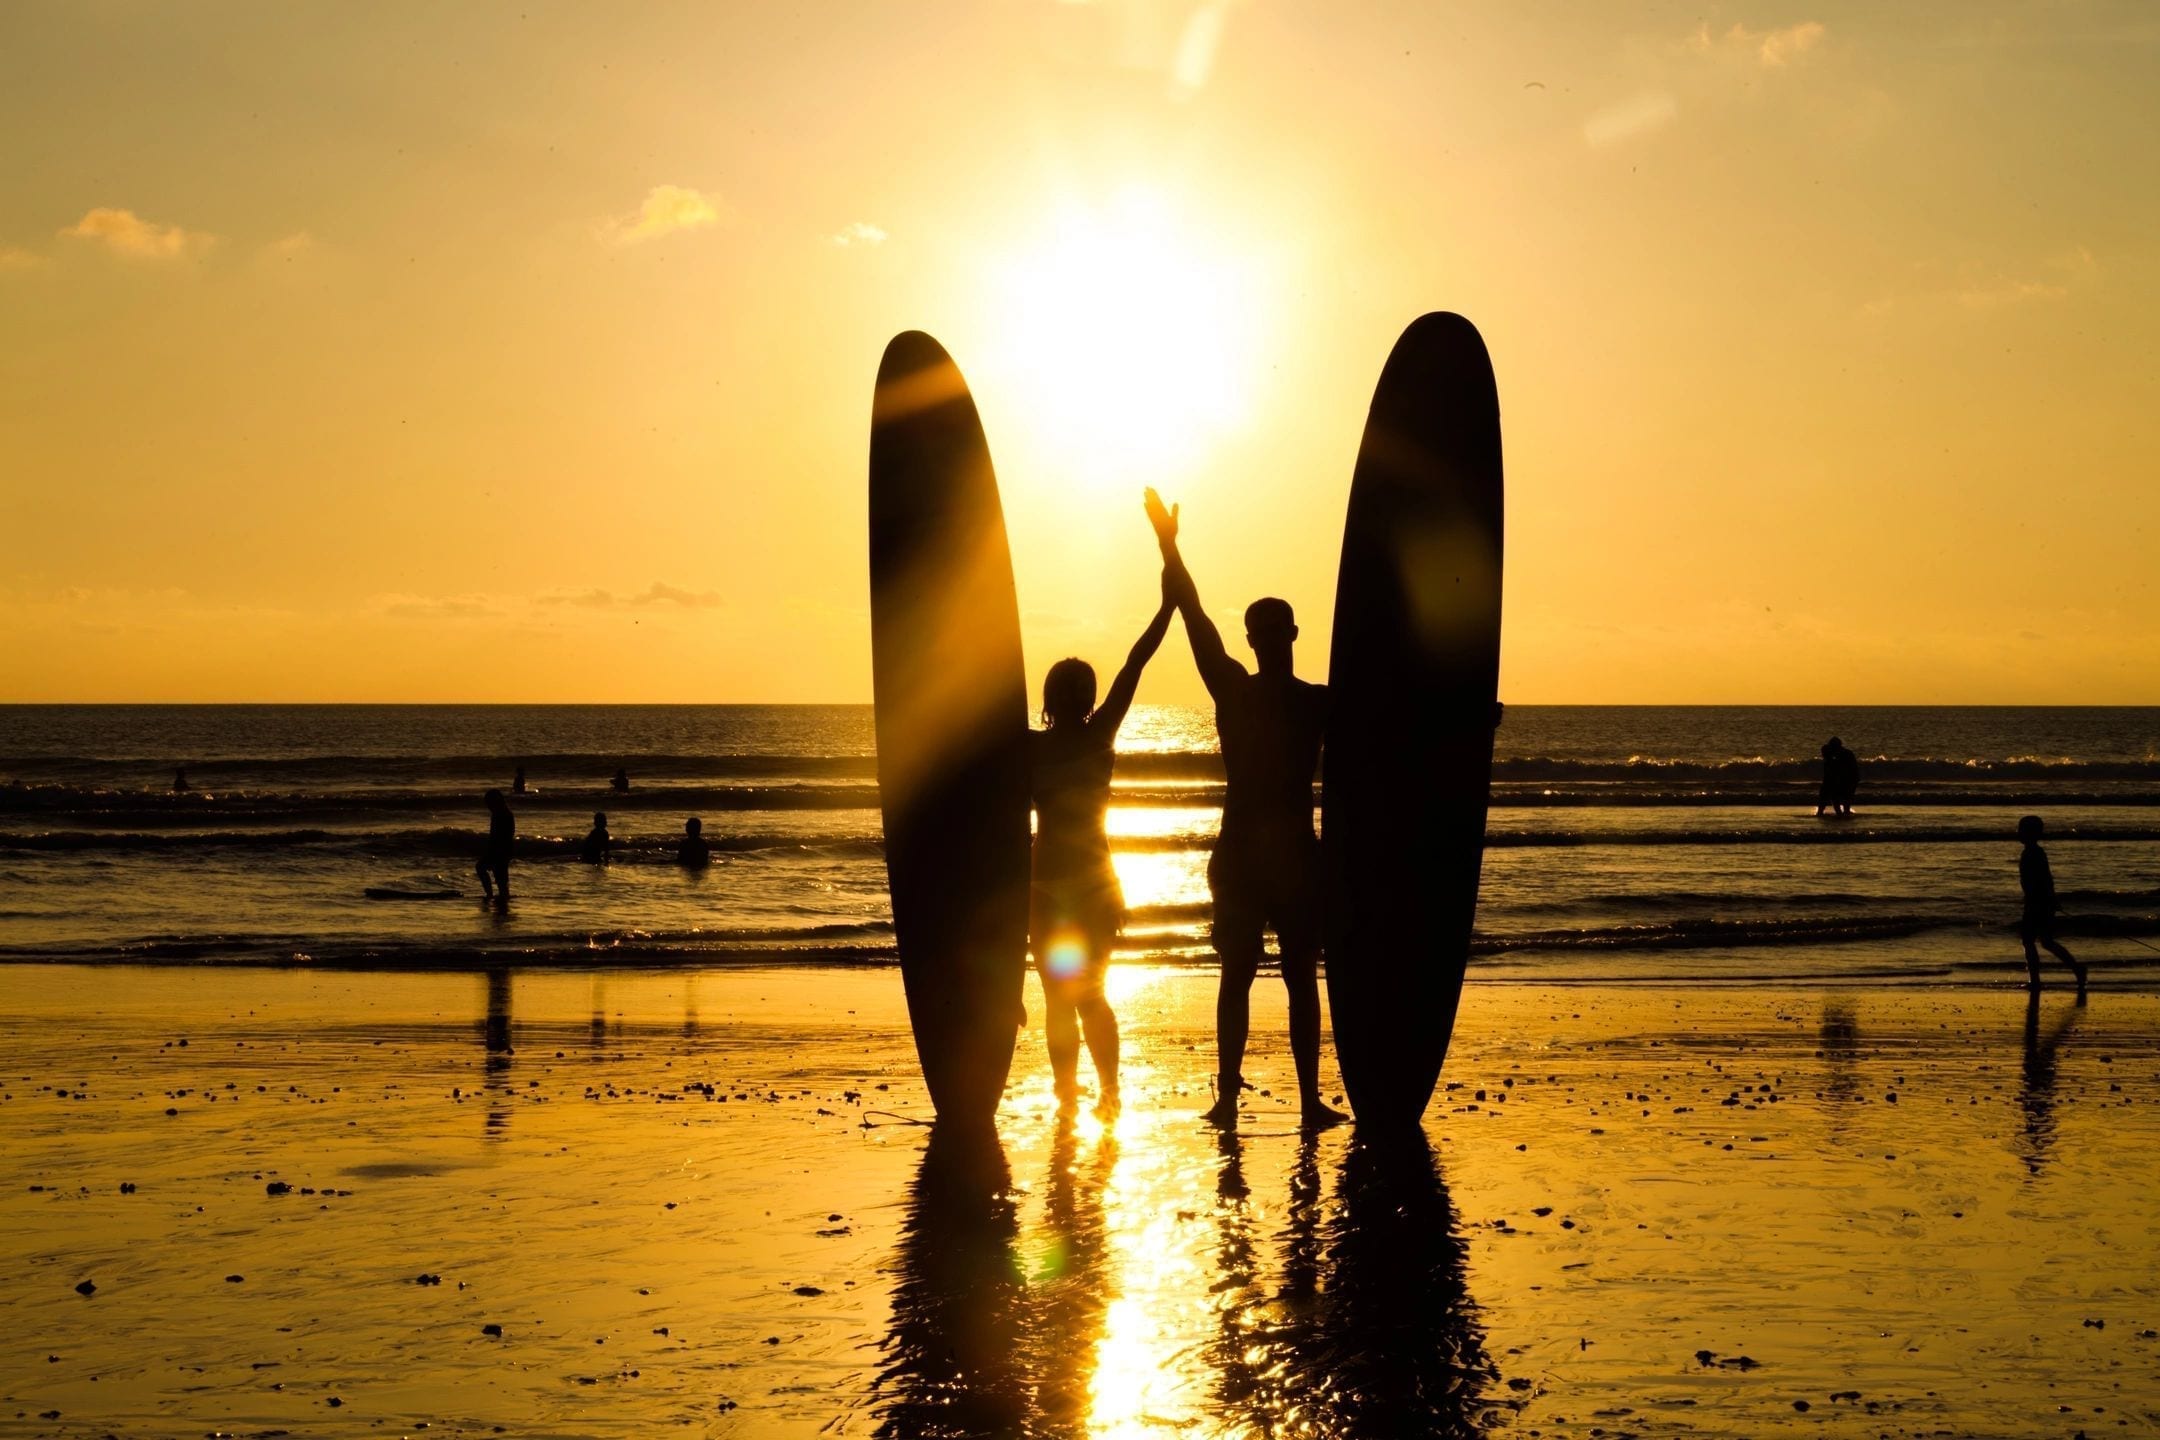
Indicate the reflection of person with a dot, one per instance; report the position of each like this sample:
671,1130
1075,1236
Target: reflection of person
1266,866
595,849
693,853
1840,779
1075,907
2036,1093
2037,927
494,864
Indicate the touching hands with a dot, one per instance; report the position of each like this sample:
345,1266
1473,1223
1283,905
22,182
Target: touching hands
1164,520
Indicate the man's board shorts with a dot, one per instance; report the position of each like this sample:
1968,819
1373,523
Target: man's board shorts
2038,923
1262,883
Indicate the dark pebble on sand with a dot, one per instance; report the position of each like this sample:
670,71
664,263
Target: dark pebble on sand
87,1287
810,1290
495,1330
427,1280
1802,1406
333,1402
234,1279
277,1187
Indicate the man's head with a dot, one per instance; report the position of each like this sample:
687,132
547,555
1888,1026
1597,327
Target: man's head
1271,629
694,826
2030,829
494,799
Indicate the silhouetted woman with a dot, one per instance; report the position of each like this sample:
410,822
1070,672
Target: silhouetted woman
1076,908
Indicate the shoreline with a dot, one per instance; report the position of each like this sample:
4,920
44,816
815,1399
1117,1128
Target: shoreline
663,1187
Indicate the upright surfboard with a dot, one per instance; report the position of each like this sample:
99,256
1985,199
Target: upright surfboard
951,726
1411,684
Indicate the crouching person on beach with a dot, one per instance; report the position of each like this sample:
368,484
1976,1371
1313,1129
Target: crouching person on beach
493,867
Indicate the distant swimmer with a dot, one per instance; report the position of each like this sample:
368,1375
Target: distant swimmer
179,781
595,849
693,853
517,782
1840,779
1265,871
621,783
493,867
2037,927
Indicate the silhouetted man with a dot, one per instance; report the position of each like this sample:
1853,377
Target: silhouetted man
621,783
179,781
1266,867
2037,927
693,853
517,781
494,864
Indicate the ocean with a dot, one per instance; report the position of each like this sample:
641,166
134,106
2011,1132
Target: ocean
1624,844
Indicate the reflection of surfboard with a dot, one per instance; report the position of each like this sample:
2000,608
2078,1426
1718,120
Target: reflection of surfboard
1411,684
435,888
951,725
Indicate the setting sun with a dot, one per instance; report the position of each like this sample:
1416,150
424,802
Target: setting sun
1127,340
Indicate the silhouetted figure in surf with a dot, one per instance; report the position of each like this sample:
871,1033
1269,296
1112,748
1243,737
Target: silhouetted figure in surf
2037,927
493,867
1075,906
1840,779
1266,866
179,781
693,853
517,781
595,849
621,783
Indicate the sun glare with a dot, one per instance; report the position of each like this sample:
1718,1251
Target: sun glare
1129,339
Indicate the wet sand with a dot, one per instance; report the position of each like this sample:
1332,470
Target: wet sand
691,1204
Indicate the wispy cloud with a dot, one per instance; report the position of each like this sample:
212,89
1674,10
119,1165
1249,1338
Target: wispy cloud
658,593
13,257
125,233
667,209
1771,49
1978,287
289,247
862,232
437,607
1635,116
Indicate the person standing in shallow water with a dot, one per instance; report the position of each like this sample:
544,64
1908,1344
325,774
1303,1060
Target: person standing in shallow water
2037,927
493,867
1076,907
693,853
1266,866
595,849
1840,779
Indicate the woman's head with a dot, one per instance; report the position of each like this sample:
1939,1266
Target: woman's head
1068,692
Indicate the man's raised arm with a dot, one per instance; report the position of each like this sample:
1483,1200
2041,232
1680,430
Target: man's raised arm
1216,667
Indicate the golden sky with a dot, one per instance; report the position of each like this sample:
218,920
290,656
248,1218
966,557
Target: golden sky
524,352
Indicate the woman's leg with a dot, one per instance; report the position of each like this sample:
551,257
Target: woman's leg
1061,1030
1100,1027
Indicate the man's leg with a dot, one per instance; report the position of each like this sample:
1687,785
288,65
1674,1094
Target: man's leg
2054,947
487,882
1233,1022
2032,962
1300,973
